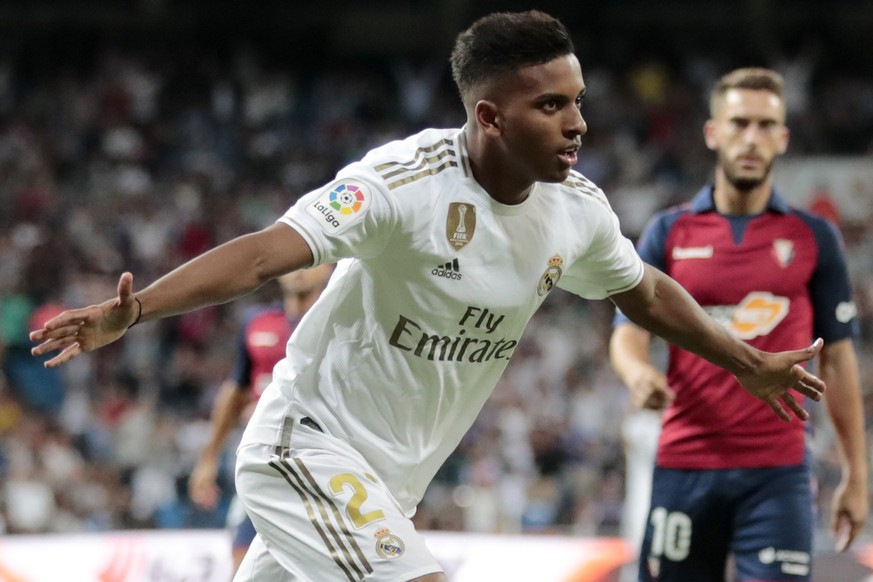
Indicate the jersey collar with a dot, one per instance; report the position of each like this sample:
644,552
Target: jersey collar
703,202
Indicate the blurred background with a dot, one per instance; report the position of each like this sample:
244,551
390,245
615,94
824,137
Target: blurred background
135,134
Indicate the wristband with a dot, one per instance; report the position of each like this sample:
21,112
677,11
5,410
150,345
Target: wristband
135,321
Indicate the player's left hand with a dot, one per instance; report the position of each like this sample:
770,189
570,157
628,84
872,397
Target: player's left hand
781,372
849,508
202,486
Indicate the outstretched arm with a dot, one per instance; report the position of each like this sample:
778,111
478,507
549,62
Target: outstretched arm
839,368
660,305
217,276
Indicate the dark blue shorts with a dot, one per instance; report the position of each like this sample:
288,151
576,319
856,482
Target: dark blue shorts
763,517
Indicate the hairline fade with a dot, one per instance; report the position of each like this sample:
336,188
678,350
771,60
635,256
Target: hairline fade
503,42
751,78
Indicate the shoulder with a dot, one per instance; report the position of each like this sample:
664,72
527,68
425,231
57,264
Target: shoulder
424,142
665,219
827,236
817,223
578,186
669,215
419,157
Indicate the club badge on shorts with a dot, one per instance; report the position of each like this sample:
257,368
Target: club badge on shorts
551,275
460,224
388,545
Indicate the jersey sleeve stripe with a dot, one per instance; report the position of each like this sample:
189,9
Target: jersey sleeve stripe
423,174
419,152
399,168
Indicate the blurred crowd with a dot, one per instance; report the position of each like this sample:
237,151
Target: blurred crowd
138,160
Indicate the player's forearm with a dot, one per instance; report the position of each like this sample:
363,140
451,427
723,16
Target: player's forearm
629,351
660,305
226,272
229,405
839,369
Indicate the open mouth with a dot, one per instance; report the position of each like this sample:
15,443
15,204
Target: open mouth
569,157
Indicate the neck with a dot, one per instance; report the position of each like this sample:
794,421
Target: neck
493,173
729,199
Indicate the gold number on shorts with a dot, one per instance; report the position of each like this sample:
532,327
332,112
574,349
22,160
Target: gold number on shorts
338,482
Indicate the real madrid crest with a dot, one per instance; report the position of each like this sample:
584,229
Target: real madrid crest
388,545
552,274
460,224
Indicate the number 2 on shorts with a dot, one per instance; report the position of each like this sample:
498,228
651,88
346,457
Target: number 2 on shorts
359,496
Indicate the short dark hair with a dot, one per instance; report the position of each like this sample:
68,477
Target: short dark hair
753,78
503,42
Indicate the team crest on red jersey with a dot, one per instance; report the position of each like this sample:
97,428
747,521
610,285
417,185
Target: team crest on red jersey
783,250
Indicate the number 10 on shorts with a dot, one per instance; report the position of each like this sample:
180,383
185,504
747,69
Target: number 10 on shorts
671,534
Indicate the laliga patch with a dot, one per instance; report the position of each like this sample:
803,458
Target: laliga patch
388,545
343,205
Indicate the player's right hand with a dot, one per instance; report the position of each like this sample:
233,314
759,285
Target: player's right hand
781,372
77,331
649,389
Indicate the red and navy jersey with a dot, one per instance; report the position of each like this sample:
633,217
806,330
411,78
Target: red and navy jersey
777,280
260,345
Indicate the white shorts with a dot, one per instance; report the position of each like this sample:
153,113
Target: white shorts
322,515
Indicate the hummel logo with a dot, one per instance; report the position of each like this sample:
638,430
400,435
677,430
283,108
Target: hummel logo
451,270
680,253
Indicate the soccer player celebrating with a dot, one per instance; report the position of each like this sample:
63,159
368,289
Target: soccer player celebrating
730,479
456,237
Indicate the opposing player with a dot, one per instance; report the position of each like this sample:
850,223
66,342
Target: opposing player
730,479
261,344
457,236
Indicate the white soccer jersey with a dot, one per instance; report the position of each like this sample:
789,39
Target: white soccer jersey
407,342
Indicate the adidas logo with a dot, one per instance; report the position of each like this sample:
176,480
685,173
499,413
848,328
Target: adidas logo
451,270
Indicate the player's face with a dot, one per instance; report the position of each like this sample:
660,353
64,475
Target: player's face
747,132
540,109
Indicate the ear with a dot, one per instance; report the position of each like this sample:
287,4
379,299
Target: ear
709,131
783,141
488,118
